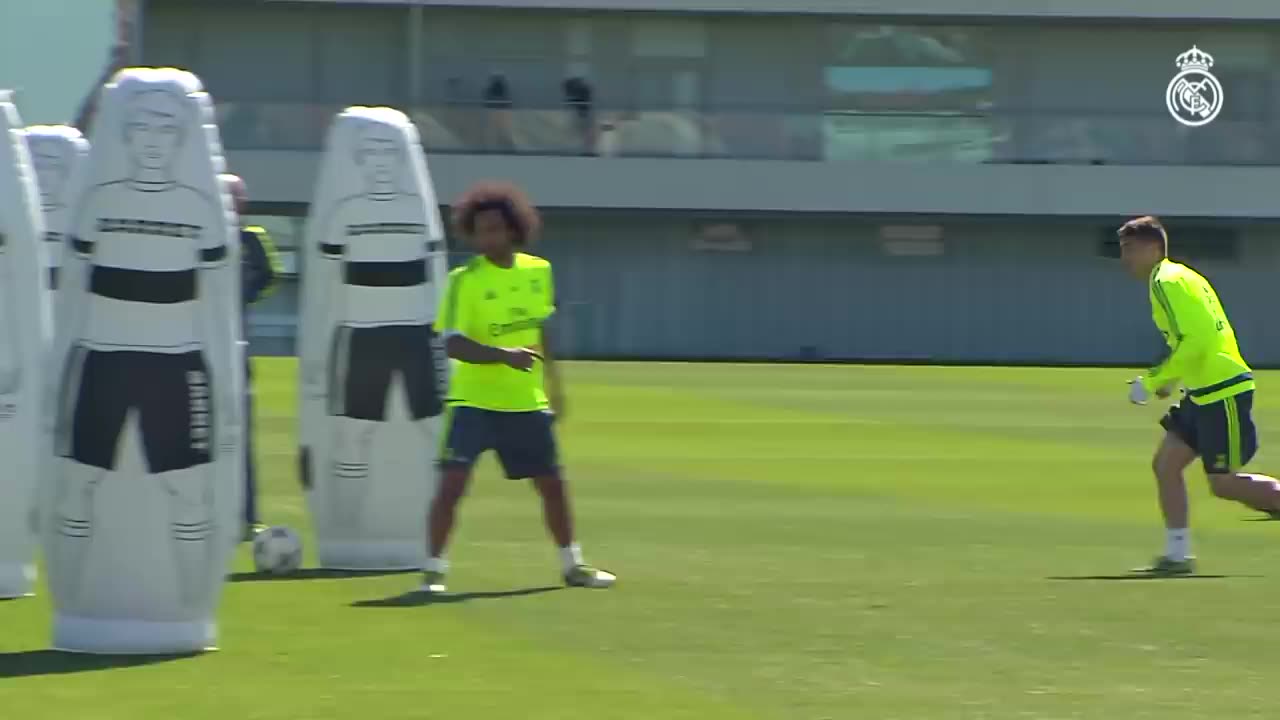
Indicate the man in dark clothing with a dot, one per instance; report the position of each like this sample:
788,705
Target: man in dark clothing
259,267
578,95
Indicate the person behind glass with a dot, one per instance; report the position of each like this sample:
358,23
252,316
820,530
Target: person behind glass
497,101
577,96
259,268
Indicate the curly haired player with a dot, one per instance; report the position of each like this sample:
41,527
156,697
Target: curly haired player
504,390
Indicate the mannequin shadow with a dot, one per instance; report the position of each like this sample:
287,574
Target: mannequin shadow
313,574
29,663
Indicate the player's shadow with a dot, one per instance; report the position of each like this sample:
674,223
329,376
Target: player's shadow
1135,577
419,599
313,574
29,663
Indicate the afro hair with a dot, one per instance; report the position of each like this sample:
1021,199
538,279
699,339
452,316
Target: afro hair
521,216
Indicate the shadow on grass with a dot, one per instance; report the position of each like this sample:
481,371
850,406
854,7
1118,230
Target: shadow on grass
29,663
1134,577
313,574
418,599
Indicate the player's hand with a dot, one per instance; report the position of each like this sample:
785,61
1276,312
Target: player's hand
1138,392
521,358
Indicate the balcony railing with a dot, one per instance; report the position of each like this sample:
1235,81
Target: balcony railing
996,136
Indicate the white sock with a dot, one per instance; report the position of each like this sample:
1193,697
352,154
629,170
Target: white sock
1177,544
571,556
437,564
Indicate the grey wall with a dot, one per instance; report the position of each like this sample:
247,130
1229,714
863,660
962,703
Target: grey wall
751,185
1003,292
633,285
1188,9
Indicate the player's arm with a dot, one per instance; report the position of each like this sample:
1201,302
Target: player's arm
549,347
1192,325
551,370
452,321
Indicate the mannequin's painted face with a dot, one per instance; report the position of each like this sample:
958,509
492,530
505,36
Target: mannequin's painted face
51,171
380,158
153,129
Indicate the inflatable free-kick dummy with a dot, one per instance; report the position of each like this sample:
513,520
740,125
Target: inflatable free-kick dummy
147,481
24,345
58,153
372,369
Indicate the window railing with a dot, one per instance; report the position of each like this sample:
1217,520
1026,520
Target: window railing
994,136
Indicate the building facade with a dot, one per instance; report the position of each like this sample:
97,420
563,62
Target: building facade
816,179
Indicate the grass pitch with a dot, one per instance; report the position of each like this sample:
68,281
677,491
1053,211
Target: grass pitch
793,542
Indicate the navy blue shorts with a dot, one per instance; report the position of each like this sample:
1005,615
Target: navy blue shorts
1221,433
524,441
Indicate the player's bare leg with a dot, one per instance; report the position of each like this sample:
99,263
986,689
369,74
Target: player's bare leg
558,514
1172,458
440,519
1259,492
353,445
555,508
191,523
74,521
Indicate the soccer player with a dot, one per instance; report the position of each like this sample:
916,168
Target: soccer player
259,268
1213,419
495,321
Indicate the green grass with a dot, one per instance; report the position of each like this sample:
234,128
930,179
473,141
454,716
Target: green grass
793,542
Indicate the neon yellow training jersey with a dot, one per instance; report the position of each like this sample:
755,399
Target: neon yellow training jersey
1204,356
501,307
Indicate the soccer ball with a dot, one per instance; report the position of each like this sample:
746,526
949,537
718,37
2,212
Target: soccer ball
277,550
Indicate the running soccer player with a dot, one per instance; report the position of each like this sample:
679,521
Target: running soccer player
1213,420
494,319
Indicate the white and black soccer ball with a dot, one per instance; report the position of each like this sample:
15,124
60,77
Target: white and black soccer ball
277,551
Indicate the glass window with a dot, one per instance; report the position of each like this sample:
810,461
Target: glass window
878,137
578,37
895,67
669,38
896,92
264,38
362,55
171,39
